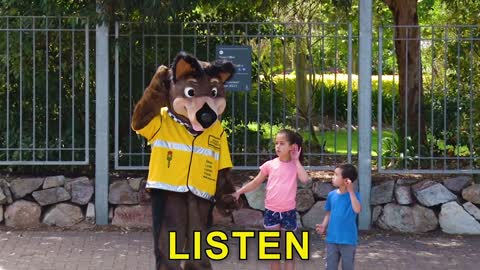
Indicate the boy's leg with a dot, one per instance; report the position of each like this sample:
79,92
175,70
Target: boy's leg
347,252
333,256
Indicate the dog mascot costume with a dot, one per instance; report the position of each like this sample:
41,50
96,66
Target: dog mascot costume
190,160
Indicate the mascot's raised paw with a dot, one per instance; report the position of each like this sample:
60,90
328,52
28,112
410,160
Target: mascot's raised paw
178,115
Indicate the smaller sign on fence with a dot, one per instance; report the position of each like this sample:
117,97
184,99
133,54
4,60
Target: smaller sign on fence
241,57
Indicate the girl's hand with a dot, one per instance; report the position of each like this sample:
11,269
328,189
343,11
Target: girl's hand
236,195
295,153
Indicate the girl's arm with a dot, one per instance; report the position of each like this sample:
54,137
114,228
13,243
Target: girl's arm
301,173
252,185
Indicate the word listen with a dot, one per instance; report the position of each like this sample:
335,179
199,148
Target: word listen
216,241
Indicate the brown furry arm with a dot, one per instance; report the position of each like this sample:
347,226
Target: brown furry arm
223,197
154,98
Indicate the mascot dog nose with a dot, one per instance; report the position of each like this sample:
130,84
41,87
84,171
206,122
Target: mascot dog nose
206,116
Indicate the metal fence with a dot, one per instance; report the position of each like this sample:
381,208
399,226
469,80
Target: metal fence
434,127
320,108
44,90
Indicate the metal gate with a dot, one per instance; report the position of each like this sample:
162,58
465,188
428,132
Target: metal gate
320,108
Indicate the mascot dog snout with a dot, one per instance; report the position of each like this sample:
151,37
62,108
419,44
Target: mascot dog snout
206,116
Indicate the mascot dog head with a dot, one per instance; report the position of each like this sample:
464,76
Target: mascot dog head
193,89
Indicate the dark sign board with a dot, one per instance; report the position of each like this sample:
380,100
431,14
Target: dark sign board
241,57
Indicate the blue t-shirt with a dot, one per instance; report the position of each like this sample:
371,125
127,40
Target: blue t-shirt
342,226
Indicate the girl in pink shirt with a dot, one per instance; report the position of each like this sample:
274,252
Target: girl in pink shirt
281,190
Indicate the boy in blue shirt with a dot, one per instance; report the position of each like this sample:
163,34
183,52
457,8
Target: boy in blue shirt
343,205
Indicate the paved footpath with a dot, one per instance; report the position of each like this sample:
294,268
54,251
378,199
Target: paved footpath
120,250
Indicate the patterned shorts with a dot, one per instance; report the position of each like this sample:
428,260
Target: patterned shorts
287,220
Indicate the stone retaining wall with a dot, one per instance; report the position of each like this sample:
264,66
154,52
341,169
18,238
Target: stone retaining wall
403,204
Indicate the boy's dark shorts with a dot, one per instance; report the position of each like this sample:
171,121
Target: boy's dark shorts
287,220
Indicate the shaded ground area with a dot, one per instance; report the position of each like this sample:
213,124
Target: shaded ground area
98,248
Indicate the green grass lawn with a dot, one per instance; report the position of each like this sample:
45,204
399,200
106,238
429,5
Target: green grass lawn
337,142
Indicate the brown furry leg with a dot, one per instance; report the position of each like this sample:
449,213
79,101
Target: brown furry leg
198,210
174,219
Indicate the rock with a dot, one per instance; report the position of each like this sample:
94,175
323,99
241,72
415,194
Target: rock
133,216
413,219
472,210
455,220
406,181
321,189
53,181
1,213
110,214
430,193
3,198
135,183
63,215
376,212
5,186
120,192
82,191
51,196
304,199
403,195
69,181
144,196
23,186
221,220
315,215
23,214
246,218
90,216
382,193
472,193
456,184
256,198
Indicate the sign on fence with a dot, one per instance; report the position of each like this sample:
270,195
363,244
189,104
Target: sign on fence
241,57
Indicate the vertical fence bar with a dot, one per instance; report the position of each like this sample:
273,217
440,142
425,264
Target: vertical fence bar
47,145
420,98
8,92
380,98
349,97
87,92
117,93
432,98
101,124
445,99
20,144
60,89
365,112
459,88
470,137
73,92
405,99
258,92
33,89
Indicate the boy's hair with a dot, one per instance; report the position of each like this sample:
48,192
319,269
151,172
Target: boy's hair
348,171
294,138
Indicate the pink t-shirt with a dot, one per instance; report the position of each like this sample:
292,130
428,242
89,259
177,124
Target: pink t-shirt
281,188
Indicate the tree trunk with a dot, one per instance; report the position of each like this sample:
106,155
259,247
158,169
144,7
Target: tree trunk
407,49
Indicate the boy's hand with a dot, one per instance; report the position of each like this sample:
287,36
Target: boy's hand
320,228
349,185
295,153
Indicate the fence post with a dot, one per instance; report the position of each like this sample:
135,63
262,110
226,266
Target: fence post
101,123
365,112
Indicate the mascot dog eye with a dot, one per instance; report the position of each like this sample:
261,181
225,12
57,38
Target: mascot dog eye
190,160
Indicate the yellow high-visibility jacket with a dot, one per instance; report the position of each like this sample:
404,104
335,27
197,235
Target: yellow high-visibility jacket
181,162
